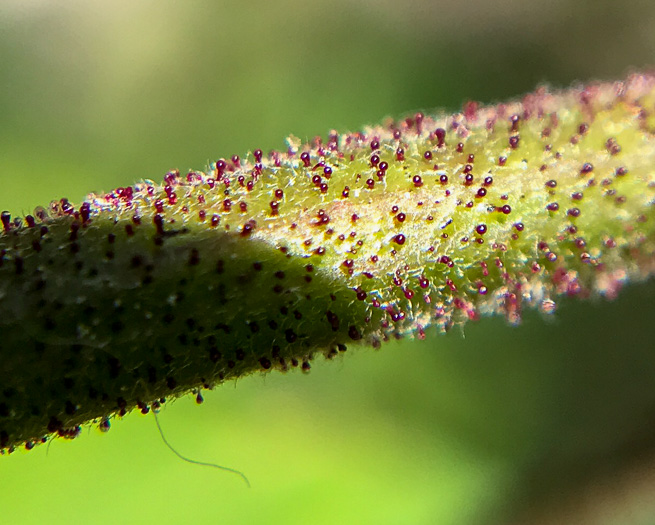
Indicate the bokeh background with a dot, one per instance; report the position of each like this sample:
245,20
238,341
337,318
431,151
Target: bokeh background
553,421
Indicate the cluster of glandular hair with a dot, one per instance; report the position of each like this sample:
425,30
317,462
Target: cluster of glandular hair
155,290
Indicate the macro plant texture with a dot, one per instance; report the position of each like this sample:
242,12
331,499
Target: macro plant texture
153,291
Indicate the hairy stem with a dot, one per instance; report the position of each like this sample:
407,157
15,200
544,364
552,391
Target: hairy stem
156,290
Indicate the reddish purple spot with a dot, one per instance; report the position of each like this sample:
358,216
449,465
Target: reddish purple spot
514,119
440,133
514,142
586,168
353,333
444,259
248,228
399,239
85,211
573,212
481,229
612,146
418,182
553,206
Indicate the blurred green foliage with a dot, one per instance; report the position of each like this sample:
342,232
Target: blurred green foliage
470,427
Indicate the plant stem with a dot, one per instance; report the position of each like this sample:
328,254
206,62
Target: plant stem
156,290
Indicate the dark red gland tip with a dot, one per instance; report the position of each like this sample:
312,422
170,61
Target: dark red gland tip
440,133
586,168
514,119
399,239
5,216
248,228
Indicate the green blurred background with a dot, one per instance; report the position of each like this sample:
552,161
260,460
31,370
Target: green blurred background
489,424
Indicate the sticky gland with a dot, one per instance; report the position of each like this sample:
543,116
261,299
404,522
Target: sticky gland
153,291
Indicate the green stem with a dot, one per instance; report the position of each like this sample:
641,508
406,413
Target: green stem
153,291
